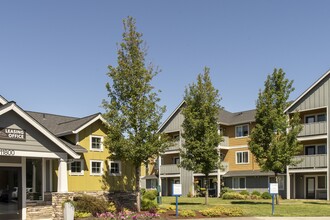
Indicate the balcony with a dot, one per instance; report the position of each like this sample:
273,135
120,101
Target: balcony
175,146
316,128
169,169
310,161
225,141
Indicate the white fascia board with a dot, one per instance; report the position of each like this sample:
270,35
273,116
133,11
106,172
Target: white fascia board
40,128
317,170
3,101
169,117
307,91
310,138
98,117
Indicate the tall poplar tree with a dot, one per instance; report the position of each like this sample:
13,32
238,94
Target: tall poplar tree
200,128
132,110
274,138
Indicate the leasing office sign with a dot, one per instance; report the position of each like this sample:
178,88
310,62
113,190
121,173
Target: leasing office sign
12,134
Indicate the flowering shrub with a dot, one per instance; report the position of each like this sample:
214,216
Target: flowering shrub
127,215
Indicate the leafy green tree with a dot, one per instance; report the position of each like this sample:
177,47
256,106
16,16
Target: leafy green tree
132,111
274,138
201,137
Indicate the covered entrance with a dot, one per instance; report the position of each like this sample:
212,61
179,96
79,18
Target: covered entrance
10,193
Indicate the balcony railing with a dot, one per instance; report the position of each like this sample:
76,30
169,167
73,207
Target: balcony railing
175,146
316,128
169,169
225,141
310,161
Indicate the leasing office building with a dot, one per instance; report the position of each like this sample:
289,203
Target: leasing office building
44,153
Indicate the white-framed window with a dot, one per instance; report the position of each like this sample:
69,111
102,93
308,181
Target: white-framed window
280,179
242,130
242,157
96,167
321,182
239,183
115,168
315,149
176,160
76,168
315,118
151,183
96,143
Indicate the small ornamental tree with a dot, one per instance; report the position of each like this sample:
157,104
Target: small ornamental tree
274,138
200,127
132,111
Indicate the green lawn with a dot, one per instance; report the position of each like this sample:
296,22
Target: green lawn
256,207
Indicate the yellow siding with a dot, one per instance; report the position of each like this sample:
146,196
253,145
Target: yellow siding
89,182
230,155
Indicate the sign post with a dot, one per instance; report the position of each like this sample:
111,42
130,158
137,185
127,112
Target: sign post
273,190
177,191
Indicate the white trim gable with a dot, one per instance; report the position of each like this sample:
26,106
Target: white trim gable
169,117
3,101
98,117
11,106
308,90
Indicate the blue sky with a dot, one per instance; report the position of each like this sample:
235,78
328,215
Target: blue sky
54,54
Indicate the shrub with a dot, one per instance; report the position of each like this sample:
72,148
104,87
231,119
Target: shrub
111,207
148,200
244,193
187,213
256,193
225,189
233,195
169,207
266,195
78,214
221,211
255,197
90,204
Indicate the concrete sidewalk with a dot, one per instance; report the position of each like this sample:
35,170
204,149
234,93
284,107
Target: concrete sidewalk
265,218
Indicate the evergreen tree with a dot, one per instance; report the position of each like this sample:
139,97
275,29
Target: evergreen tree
132,110
274,138
201,137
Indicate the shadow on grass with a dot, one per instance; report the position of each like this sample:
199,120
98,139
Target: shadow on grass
250,202
187,203
316,203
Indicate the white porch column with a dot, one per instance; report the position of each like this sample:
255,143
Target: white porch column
288,192
218,176
23,161
62,181
159,179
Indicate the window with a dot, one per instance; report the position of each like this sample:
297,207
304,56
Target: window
315,118
76,168
310,119
321,117
151,183
280,181
115,168
239,183
96,143
242,157
315,149
96,167
176,160
242,131
321,182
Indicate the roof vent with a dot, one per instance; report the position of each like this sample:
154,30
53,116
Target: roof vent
43,116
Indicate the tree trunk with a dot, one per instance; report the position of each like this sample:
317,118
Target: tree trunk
137,188
207,189
276,197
